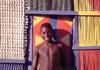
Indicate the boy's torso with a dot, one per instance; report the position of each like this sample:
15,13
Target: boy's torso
50,57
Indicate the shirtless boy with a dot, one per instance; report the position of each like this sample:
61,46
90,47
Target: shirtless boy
51,54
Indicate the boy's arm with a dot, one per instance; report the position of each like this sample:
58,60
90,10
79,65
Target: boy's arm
35,59
63,58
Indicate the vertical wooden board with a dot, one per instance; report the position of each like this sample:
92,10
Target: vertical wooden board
84,5
98,2
65,5
70,5
59,5
99,58
80,5
76,5
40,4
49,4
75,32
99,5
81,62
45,5
95,5
54,4
29,63
30,4
80,32
72,59
98,31
35,5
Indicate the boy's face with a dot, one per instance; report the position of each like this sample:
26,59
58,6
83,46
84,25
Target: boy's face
46,34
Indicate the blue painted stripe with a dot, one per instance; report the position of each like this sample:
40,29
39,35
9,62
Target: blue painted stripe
76,61
12,61
71,51
53,22
30,42
86,47
31,12
75,30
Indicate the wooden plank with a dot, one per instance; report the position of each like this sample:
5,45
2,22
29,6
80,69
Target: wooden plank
76,5
85,13
29,4
76,30
65,5
54,4
30,12
70,5
88,13
86,47
49,5
40,4
71,51
30,42
45,2
59,5
76,60
35,4
12,61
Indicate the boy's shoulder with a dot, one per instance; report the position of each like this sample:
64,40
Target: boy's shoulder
59,44
38,46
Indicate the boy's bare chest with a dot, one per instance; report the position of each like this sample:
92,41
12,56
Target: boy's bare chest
51,51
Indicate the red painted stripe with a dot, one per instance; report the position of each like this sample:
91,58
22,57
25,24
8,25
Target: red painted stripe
89,60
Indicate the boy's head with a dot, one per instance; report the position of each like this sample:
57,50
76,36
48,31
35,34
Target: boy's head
46,32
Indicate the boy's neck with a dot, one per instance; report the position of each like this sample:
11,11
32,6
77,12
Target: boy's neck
48,43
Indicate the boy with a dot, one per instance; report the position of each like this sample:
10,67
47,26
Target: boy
51,54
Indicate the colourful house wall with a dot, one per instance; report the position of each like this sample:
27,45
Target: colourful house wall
88,34
61,26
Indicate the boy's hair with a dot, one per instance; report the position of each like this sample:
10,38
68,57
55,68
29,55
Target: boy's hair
46,25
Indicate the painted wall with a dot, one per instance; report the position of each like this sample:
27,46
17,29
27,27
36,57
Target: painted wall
61,26
88,34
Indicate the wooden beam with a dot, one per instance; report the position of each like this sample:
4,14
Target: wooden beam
89,13
86,47
31,12
12,61
29,62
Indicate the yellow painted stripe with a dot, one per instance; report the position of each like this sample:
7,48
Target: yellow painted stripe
37,19
39,40
76,5
82,5
88,13
89,34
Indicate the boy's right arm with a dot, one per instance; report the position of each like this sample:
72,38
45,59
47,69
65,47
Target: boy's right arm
35,59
